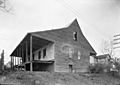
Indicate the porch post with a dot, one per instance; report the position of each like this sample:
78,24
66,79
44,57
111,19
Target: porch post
15,60
26,48
26,52
22,54
31,68
20,61
18,58
22,49
11,63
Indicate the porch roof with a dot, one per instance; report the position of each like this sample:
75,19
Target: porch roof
102,56
37,43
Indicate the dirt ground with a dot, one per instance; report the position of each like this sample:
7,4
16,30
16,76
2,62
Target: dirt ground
46,78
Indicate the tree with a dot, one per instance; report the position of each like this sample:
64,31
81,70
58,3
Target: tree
107,47
5,6
114,63
2,60
8,65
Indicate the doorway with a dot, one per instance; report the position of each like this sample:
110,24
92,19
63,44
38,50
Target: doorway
70,68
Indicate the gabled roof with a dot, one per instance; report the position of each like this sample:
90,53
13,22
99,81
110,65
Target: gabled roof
61,34
57,34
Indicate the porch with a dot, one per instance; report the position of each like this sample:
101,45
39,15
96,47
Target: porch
26,56
39,65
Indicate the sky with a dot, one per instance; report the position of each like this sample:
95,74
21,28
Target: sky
98,19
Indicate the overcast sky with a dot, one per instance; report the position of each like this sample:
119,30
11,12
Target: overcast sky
98,19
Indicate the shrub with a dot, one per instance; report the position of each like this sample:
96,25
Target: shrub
96,68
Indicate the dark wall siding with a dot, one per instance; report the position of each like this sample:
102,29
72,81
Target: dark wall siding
63,39
66,35
43,67
66,41
62,59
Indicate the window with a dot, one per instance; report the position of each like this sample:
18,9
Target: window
79,54
39,55
75,36
92,61
44,53
70,53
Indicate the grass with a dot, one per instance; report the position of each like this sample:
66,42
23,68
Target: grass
46,78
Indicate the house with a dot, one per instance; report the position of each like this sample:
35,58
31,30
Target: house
58,50
102,58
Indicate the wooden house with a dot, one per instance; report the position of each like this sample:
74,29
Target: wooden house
57,50
103,59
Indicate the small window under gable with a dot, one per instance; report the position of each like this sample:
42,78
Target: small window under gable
75,36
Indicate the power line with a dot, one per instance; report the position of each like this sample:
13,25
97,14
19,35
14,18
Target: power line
77,13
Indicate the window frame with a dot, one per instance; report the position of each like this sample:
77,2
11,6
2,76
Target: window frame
75,36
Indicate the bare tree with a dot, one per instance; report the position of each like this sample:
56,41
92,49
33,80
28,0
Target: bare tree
5,6
107,47
2,60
